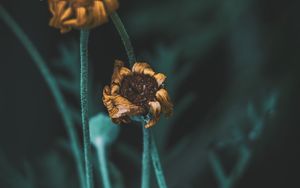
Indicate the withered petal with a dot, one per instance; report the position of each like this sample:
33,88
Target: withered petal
111,5
60,8
99,12
160,78
81,16
51,6
163,98
119,72
71,23
115,88
148,71
119,106
155,109
139,67
66,14
125,107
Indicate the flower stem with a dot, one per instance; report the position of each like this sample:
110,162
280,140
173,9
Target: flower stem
146,158
51,82
100,146
156,163
84,35
148,138
124,36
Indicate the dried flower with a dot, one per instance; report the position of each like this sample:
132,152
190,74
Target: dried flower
80,14
136,92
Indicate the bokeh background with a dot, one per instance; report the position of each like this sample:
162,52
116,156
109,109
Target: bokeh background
233,74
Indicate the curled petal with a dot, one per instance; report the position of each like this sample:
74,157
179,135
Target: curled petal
65,29
119,72
57,9
115,88
160,78
140,67
111,5
119,106
66,14
51,6
155,109
71,23
99,13
81,16
125,107
60,8
149,72
163,98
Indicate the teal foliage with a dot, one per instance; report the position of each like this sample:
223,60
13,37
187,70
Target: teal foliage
210,137
102,127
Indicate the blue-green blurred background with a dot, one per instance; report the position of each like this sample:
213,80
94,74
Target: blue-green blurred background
233,74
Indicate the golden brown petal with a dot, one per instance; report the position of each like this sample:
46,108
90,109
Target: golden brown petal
81,16
155,109
99,13
140,67
125,107
115,89
160,78
149,72
51,6
60,8
119,106
66,14
163,98
111,5
119,72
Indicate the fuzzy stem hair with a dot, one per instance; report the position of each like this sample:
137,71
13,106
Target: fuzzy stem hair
84,36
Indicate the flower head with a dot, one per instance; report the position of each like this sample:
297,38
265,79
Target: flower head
139,91
80,14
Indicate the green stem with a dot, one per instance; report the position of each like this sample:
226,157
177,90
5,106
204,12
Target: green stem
146,158
51,82
84,35
148,138
124,36
156,163
100,144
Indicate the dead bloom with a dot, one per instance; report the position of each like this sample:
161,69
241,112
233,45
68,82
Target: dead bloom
80,14
136,92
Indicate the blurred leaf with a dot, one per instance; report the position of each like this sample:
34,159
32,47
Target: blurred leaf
101,126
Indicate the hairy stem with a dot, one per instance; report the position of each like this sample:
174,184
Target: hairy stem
124,36
146,158
156,163
102,158
84,35
51,82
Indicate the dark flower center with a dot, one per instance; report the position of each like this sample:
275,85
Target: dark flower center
139,89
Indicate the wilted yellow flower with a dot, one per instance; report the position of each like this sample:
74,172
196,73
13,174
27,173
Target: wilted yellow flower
80,14
136,92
